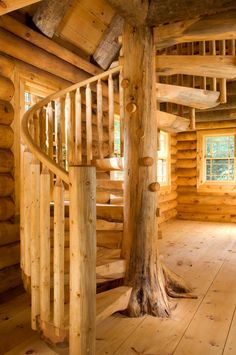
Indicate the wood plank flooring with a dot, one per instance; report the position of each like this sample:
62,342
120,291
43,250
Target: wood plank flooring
204,253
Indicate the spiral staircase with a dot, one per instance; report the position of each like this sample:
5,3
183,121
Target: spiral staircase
72,208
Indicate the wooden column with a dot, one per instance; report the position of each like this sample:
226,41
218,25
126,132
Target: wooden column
144,272
82,260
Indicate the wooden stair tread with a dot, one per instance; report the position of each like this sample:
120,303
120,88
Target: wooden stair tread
109,164
172,123
112,301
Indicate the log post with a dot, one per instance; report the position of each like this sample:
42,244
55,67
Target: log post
144,272
82,260
35,242
45,245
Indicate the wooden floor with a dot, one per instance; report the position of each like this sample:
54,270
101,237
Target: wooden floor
205,254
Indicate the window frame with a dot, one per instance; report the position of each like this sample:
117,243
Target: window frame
202,183
166,185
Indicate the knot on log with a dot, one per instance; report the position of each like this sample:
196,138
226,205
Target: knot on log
158,212
125,83
131,107
154,186
146,161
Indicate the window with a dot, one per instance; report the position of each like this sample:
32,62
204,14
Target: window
217,158
163,161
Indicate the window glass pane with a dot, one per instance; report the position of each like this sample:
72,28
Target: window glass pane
219,154
117,135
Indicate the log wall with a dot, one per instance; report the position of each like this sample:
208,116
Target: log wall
168,196
194,204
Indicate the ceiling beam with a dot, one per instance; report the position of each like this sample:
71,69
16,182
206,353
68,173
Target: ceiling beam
171,123
24,32
210,66
49,15
109,46
157,12
196,98
222,115
12,5
208,28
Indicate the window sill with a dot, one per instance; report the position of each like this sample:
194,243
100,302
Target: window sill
217,187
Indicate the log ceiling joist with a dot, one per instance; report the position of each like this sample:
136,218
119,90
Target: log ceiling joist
24,32
109,46
49,15
157,12
208,28
12,5
171,123
196,98
210,66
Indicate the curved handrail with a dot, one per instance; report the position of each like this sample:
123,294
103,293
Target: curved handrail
39,154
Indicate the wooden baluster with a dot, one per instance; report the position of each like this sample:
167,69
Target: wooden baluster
36,128
179,80
25,215
35,242
89,137
202,48
70,122
42,133
193,53
78,128
63,133
223,87
192,118
99,119
49,115
58,260
232,46
213,52
45,245
82,260
111,115
122,112
58,131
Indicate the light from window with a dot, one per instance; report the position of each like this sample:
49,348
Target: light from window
219,158
162,159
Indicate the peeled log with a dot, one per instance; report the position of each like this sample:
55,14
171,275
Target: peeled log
6,161
7,208
7,89
6,113
6,185
9,233
6,66
6,137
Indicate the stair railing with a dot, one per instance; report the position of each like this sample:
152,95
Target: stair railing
64,134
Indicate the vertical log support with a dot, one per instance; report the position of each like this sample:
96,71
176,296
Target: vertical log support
45,245
144,272
35,242
82,260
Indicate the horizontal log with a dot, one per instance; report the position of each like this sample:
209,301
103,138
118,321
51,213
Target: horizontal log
171,123
207,28
41,59
230,104
164,197
187,136
187,172
173,139
12,5
9,233
6,113
10,24
110,213
10,255
186,189
186,96
215,125
6,137
206,199
113,186
109,164
186,163
211,66
6,66
166,216
7,88
216,115
186,181
6,161
207,217
102,197
7,208
197,208
188,145
167,206
10,277
6,185
109,239
186,154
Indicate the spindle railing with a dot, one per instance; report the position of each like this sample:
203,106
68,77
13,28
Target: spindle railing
65,133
